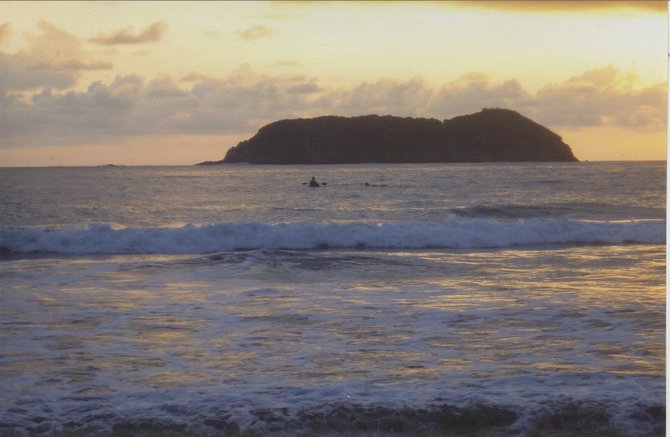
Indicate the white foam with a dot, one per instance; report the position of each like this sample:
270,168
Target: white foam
452,233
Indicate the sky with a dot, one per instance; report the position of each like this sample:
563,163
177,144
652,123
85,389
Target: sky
171,83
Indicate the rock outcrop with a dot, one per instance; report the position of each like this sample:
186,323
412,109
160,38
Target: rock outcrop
489,135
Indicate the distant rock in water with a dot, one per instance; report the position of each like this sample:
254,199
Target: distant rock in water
489,135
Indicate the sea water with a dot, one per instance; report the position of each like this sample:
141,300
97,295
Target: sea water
436,299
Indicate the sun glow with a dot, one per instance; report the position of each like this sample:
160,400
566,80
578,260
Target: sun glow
215,72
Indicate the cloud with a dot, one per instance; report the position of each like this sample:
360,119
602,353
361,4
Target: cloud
195,77
24,72
474,91
304,88
53,59
5,30
239,104
602,97
565,5
151,34
288,63
71,65
211,34
254,32
132,105
405,98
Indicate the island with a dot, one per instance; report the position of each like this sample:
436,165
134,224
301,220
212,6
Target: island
489,135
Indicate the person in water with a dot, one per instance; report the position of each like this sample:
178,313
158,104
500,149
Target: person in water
313,183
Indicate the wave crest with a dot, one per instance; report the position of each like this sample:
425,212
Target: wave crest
452,233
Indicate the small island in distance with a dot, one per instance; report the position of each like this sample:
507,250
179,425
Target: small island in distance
486,136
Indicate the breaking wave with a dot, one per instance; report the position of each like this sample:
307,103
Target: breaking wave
563,419
452,233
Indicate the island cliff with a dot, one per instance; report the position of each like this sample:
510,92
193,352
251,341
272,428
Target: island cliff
489,135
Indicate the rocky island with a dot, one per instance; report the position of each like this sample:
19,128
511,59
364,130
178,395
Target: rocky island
488,135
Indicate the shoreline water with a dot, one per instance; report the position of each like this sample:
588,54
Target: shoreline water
144,327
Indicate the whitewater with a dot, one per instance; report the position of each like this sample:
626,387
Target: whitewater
423,299
450,234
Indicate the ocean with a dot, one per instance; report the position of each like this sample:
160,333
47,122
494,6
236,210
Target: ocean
484,299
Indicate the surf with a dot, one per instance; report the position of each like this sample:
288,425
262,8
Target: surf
451,233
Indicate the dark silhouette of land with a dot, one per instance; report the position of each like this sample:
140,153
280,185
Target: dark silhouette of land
489,135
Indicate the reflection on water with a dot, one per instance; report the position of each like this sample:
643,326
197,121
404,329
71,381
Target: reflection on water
388,327
164,196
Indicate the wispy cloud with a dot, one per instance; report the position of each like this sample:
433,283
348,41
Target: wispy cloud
195,77
5,30
288,63
211,34
70,65
564,5
53,59
153,33
254,32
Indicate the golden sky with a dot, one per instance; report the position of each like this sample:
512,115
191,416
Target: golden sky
87,83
